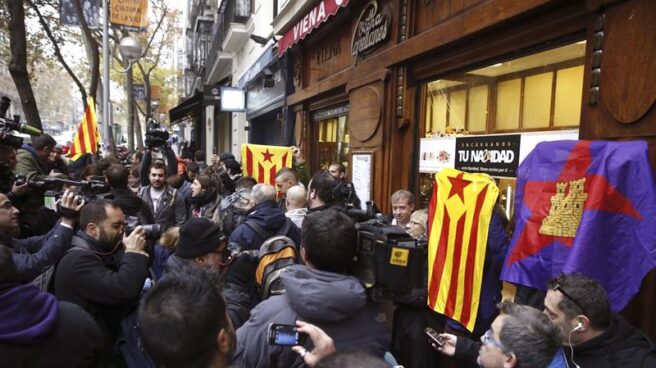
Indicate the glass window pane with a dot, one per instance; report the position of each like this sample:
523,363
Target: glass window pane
436,112
508,98
477,118
537,101
569,89
457,108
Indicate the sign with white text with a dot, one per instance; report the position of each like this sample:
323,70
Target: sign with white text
496,155
312,20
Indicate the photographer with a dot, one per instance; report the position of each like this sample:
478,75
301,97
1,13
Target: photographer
105,270
156,141
14,191
33,255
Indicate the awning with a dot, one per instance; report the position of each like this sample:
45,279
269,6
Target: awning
309,23
187,108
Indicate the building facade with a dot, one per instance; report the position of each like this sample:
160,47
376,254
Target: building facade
373,80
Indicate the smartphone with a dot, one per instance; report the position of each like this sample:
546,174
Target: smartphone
285,335
434,337
214,151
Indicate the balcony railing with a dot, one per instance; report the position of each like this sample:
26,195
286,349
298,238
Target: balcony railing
235,11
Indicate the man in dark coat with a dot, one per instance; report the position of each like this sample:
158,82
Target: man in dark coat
263,221
591,335
319,292
324,192
104,272
38,331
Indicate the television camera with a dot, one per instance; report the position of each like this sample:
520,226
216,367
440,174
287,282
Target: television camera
8,125
156,136
87,189
390,262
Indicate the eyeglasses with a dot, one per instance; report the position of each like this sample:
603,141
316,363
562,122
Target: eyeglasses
226,256
562,291
489,339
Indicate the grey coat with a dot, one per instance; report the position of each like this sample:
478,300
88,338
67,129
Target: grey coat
335,303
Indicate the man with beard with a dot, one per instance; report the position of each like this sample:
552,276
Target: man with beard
166,204
105,270
184,323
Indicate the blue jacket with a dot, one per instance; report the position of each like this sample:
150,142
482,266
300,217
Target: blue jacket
271,219
32,256
335,303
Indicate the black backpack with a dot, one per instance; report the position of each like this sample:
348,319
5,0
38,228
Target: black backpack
233,217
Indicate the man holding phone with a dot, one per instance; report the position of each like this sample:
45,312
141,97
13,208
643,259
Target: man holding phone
320,291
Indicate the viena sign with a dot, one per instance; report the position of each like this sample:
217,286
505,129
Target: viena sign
371,30
312,20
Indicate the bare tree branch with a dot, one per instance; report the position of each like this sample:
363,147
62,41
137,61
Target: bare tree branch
60,57
94,63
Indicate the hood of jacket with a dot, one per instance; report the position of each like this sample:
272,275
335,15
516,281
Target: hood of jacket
323,296
27,315
267,215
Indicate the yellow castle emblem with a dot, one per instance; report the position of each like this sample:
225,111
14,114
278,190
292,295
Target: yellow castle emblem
566,210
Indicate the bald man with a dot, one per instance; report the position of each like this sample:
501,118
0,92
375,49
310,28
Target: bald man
285,179
296,202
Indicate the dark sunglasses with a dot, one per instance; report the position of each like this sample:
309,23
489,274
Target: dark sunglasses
562,291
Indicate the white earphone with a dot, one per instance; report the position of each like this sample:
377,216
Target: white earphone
578,327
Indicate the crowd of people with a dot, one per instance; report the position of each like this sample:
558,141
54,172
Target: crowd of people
162,260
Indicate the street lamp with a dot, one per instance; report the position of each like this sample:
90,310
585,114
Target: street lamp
130,49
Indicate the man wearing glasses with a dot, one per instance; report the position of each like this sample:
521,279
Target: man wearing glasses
520,336
591,335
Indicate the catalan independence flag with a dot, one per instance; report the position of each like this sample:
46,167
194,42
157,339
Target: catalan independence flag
459,216
87,137
262,162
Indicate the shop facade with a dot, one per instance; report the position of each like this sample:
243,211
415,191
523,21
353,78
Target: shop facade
375,79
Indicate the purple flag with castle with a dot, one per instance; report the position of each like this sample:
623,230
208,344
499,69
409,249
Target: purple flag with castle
585,206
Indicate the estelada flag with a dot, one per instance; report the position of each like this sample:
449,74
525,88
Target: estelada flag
459,213
588,207
262,162
87,137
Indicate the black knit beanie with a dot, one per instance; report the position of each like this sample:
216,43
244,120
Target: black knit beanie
198,237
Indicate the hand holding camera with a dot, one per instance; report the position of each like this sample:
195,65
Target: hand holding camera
69,207
19,188
136,241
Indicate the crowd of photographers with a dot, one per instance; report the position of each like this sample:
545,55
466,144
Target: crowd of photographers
165,260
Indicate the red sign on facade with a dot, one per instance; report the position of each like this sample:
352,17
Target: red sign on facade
309,22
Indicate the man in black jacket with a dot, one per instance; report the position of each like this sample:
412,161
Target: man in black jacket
105,271
593,336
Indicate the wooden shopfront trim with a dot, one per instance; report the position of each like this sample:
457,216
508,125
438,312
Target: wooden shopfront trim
477,19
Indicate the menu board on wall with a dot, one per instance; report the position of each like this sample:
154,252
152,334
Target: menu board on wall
361,176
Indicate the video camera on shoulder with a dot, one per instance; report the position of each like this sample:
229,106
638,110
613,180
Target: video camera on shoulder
156,136
86,190
389,261
9,125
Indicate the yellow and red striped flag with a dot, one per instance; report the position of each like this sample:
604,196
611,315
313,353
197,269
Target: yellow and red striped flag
262,162
87,137
459,218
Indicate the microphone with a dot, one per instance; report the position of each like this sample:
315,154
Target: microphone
24,128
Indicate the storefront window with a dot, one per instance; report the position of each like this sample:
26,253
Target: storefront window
542,91
333,139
